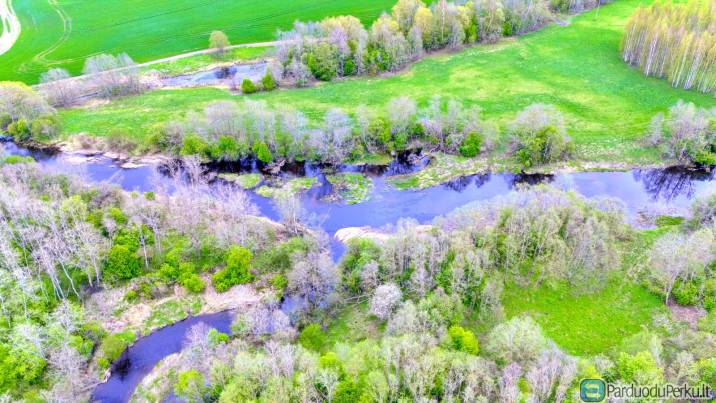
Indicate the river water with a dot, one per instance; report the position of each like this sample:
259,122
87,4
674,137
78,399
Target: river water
669,190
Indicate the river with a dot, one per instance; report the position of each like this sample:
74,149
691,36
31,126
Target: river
670,190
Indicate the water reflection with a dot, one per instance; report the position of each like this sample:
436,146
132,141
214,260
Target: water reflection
670,183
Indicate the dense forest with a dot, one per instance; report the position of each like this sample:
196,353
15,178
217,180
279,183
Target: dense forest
676,41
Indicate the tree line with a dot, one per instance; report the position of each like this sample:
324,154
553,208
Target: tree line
227,131
342,46
676,41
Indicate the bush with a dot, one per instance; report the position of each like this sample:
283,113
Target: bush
539,136
248,86
268,83
470,147
311,337
640,368
227,148
262,152
122,264
192,282
236,270
686,293
193,145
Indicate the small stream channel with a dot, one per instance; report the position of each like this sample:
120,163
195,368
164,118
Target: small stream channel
669,189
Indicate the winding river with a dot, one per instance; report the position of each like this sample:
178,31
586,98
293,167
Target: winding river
668,190
10,25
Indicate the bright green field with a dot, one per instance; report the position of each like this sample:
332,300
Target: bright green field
585,324
577,67
64,32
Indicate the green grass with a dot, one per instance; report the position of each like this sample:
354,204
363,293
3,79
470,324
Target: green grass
351,187
577,67
204,61
585,324
149,30
352,325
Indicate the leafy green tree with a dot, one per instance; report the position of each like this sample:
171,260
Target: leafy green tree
190,386
122,264
236,270
463,340
218,41
322,60
311,337
19,370
640,368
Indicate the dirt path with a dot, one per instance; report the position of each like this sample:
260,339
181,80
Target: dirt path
66,31
10,26
206,51
176,57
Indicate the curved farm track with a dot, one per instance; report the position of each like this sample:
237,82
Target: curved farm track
10,25
67,30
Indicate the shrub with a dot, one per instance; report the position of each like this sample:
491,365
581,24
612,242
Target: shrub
686,293
248,86
268,83
113,346
470,147
236,270
216,337
227,148
539,136
311,337
192,282
122,264
262,152
193,145
640,368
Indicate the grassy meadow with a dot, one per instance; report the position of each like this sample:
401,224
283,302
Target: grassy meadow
64,33
577,67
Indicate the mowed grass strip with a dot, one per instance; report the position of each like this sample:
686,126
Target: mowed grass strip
149,30
577,67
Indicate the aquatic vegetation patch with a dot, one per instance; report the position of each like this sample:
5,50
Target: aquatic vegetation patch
442,168
170,312
289,188
351,187
246,181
